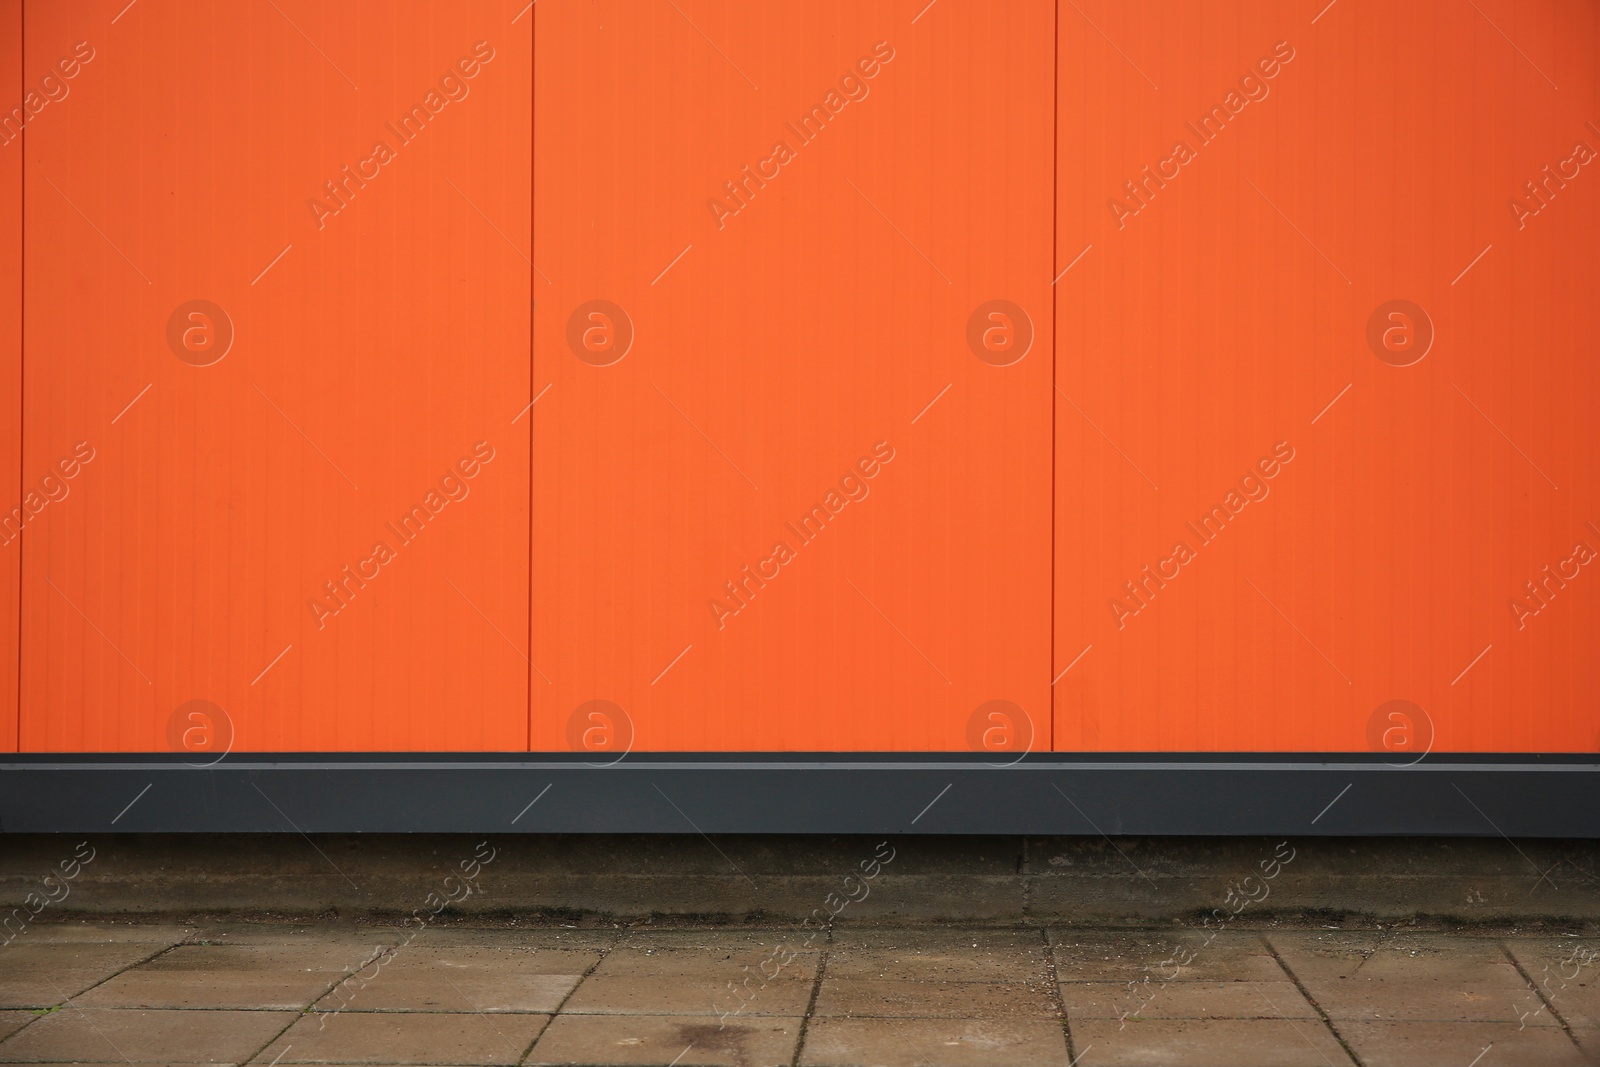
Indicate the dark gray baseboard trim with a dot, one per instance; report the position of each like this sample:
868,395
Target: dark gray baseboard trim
793,793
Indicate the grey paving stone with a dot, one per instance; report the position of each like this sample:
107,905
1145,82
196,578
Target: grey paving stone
1186,1000
697,973
1567,972
1410,977
870,998
132,1036
1426,1044
39,974
1207,1043
715,953
448,970
241,976
12,1021
1233,954
406,1038
982,1042
1006,956
655,994
656,1041
1588,1038
892,995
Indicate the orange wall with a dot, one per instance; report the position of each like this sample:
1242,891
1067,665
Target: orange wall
792,340
387,342
937,315
10,363
1232,308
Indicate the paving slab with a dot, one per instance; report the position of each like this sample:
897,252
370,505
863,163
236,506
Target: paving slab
410,1038
981,955
982,1042
240,976
1185,1000
1427,1044
448,970
872,998
1411,977
1588,1038
12,1021
1101,955
657,1041
924,995
696,953
1567,972
1207,1043
121,1035
39,974
692,994
696,972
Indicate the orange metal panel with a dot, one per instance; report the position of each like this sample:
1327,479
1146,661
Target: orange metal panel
1236,306
791,213
13,120
1305,468
277,301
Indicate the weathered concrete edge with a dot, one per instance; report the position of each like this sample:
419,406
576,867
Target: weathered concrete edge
957,878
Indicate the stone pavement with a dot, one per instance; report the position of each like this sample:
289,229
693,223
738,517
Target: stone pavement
1279,993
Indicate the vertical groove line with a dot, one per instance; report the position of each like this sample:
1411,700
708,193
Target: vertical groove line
22,352
1058,1001
605,951
811,1005
1305,994
533,206
1055,341
1549,1002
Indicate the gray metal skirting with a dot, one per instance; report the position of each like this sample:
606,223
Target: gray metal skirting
786,793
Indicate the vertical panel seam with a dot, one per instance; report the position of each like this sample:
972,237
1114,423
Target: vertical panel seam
22,360
1055,341
533,208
